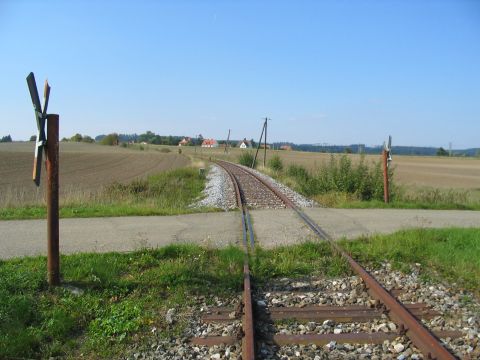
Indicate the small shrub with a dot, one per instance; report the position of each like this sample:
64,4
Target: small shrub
246,159
275,163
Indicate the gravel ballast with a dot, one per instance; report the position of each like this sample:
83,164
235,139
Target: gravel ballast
219,191
459,311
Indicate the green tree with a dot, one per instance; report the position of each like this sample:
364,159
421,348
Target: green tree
33,138
87,139
76,138
6,139
442,152
110,139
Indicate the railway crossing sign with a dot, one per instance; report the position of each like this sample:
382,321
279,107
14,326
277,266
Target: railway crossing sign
40,117
388,149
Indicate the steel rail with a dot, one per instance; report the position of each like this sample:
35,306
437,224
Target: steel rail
420,336
248,339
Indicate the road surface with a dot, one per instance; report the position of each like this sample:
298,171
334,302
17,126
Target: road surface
272,228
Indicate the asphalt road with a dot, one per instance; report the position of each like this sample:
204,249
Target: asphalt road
272,228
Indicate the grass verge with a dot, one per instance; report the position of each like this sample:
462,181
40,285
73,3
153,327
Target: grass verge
123,296
451,254
167,193
340,183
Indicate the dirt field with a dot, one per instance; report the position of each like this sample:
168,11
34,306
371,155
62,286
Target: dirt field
84,168
438,172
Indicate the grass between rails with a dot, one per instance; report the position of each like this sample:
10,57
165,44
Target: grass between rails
126,295
451,254
167,193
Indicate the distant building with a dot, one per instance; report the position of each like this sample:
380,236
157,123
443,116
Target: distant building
286,147
185,141
209,143
244,144
262,146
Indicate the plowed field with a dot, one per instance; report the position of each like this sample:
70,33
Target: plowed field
84,169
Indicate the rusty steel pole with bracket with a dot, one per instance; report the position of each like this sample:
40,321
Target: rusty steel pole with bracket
50,146
387,158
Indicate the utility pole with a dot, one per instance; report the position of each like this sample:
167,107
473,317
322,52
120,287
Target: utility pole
265,145
228,142
264,129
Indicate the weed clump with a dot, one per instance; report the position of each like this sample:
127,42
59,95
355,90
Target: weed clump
275,163
363,181
246,159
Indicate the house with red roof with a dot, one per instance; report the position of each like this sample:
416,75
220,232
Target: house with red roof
209,143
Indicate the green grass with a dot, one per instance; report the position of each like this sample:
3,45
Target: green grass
447,254
298,260
125,295
167,193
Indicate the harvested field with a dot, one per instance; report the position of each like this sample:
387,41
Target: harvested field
416,171
84,169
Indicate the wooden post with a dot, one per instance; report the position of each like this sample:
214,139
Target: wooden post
386,192
52,163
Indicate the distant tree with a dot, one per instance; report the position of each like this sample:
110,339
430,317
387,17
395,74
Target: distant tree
76,138
87,139
348,150
33,138
442,152
254,144
64,139
6,139
110,139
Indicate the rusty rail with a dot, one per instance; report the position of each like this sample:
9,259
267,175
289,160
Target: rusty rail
421,337
248,340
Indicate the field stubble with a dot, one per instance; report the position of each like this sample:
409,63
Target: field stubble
84,171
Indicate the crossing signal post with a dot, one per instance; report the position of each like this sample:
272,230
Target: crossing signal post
386,159
49,144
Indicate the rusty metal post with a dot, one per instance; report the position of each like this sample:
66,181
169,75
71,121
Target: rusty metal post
52,164
386,192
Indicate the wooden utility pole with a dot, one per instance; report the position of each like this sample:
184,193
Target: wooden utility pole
228,142
265,145
264,129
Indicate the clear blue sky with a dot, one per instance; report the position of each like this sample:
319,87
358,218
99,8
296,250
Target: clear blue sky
337,72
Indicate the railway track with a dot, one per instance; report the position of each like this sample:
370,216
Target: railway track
373,302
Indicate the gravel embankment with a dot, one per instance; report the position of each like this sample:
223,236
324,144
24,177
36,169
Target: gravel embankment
459,311
219,191
298,199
